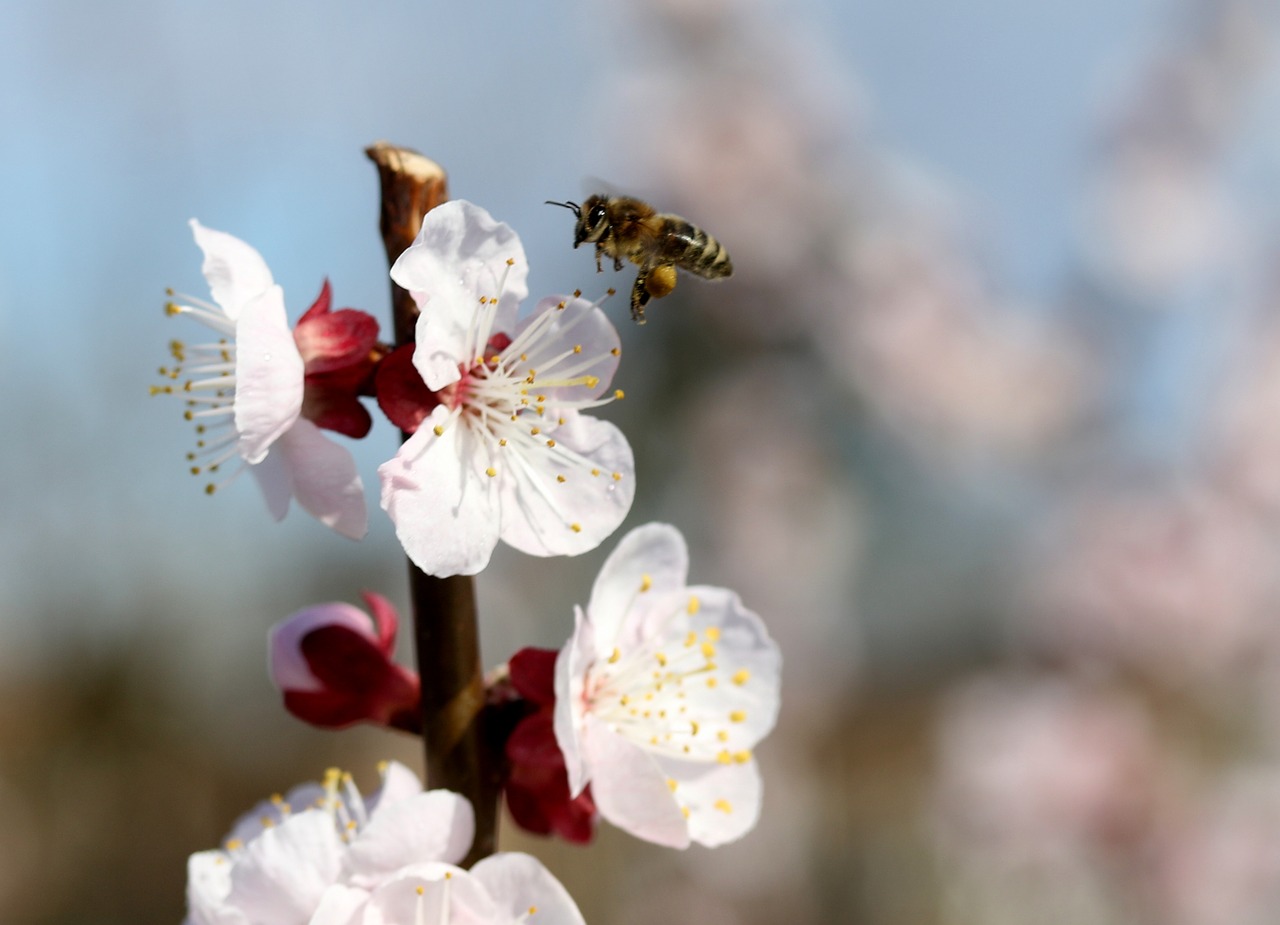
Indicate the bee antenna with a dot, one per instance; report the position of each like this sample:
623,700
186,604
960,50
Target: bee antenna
571,206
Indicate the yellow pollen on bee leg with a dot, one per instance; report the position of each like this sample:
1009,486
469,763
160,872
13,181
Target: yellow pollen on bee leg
724,806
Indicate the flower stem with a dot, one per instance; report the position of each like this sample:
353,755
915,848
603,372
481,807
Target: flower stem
444,609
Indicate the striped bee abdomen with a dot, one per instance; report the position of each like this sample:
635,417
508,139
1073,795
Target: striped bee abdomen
692,249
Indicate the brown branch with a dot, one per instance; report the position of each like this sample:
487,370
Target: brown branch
444,609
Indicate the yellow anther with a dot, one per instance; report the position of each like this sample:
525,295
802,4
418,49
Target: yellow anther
535,431
722,736
420,891
624,700
694,606
491,472
560,306
686,749
560,478
738,716
724,806
672,784
741,676
711,682
551,443
653,740
742,757
725,757
576,528
210,489
691,639
232,844
438,430
595,471
617,476
708,650
613,658
713,634
577,293
511,261
502,442
662,659
533,910
448,875
616,352
577,348
684,810
592,381
171,309
619,394
693,727
646,582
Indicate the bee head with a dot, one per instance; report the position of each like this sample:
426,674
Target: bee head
593,218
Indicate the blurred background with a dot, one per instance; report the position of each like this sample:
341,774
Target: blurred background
986,426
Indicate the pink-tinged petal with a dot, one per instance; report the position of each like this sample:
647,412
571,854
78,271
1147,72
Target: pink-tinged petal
335,340
571,668
459,256
385,618
336,407
630,788
533,674
268,375
398,783
544,517
320,307
436,826
236,273
421,893
518,882
402,395
652,556
444,507
272,476
288,668
324,479
580,324
340,905
723,800
283,872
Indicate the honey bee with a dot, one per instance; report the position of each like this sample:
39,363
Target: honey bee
625,228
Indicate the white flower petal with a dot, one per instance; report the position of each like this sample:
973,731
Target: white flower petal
341,905
324,479
723,800
236,273
269,374
544,517
652,556
445,509
460,255
398,783
580,324
630,788
518,882
284,871
571,668
436,826
208,884
421,893
751,661
272,476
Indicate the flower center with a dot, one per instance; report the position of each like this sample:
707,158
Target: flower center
663,694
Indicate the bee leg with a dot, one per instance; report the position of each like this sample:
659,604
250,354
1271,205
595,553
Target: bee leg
639,299
617,264
599,251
